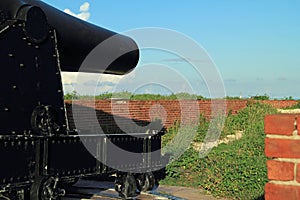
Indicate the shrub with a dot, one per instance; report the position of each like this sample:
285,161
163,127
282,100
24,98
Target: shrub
71,96
131,96
261,97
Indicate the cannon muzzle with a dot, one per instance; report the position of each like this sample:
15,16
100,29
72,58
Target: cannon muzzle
75,38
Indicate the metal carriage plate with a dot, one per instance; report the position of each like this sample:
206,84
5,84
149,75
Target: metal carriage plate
18,159
68,156
135,152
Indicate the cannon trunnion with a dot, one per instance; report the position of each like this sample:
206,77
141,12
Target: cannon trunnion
41,156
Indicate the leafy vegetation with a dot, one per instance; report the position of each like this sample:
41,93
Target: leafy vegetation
261,97
236,170
74,95
127,95
71,96
289,98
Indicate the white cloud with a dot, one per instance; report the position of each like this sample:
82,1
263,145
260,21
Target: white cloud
84,16
104,89
85,7
69,78
84,12
86,83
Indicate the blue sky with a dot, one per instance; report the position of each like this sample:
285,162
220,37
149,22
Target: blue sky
254,44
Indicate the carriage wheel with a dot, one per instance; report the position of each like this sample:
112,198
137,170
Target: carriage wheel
46,188
146,182
125,185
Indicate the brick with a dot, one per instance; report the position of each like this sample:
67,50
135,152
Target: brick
280,124
281,171
298,173
139,110
282,148
281,192
298,124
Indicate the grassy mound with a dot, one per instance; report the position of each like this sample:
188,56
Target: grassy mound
236,170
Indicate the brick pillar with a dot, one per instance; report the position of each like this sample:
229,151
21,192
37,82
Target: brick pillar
282,146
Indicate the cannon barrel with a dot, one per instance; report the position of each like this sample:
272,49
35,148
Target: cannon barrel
77,38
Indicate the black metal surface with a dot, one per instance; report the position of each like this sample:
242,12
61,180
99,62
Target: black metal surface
18,157
76,39
31,78
118,158
68,156
155,159
35,23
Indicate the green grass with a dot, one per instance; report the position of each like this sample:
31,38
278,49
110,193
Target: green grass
236,170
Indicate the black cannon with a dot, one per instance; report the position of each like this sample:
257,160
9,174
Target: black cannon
40,154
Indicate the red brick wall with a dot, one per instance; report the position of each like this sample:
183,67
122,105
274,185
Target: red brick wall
280,103
282,146
171,112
